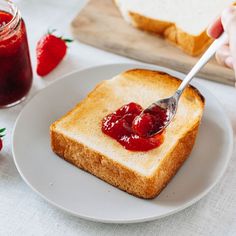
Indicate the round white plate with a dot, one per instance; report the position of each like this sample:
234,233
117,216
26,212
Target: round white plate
86,196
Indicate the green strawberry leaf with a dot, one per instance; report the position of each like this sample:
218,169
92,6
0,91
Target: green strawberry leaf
68,40
2,130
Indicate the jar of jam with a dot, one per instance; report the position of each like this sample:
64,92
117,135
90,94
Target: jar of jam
15,65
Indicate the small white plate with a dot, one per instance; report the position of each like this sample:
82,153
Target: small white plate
86,196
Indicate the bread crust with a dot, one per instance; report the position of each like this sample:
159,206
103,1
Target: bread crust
191,44
120,175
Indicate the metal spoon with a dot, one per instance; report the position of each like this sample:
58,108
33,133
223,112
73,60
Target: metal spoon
170,104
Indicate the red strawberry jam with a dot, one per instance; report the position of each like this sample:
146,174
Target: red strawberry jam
150,122
15,65
118,125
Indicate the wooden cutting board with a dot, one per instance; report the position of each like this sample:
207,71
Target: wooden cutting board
100,24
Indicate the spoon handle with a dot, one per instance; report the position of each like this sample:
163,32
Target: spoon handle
202,61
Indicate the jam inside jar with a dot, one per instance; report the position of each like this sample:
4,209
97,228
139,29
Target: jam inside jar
15,66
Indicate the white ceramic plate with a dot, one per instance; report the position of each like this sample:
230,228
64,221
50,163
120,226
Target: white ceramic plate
86,196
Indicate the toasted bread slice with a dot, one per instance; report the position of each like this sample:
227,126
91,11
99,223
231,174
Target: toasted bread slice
182,22
77,136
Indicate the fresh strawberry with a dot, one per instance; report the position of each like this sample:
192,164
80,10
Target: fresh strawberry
50,51
1,135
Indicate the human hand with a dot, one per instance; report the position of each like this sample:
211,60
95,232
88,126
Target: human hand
226,55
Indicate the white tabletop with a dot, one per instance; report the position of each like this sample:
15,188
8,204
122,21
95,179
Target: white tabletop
23,212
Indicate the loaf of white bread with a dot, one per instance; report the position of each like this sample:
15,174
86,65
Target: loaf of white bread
77,136
183,22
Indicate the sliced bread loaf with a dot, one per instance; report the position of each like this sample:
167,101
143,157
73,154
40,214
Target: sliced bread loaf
77,136
183,22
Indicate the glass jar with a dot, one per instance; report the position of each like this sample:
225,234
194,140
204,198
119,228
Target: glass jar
15,65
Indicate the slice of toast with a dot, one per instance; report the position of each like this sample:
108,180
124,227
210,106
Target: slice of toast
182,22
77,136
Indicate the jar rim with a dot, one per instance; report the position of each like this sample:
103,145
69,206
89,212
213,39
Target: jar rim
15,19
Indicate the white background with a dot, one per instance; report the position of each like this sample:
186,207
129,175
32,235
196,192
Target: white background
23,212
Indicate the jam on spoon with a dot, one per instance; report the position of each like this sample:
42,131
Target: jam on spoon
150,121
119,125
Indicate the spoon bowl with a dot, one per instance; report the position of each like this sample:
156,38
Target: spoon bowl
169,106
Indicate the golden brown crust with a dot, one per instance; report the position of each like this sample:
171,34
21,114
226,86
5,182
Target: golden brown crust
148,24
119,175
113,172
191,44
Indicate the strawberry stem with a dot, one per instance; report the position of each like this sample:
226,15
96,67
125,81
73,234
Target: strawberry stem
51,31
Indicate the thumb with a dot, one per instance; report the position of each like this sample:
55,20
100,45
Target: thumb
215,29
228,19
